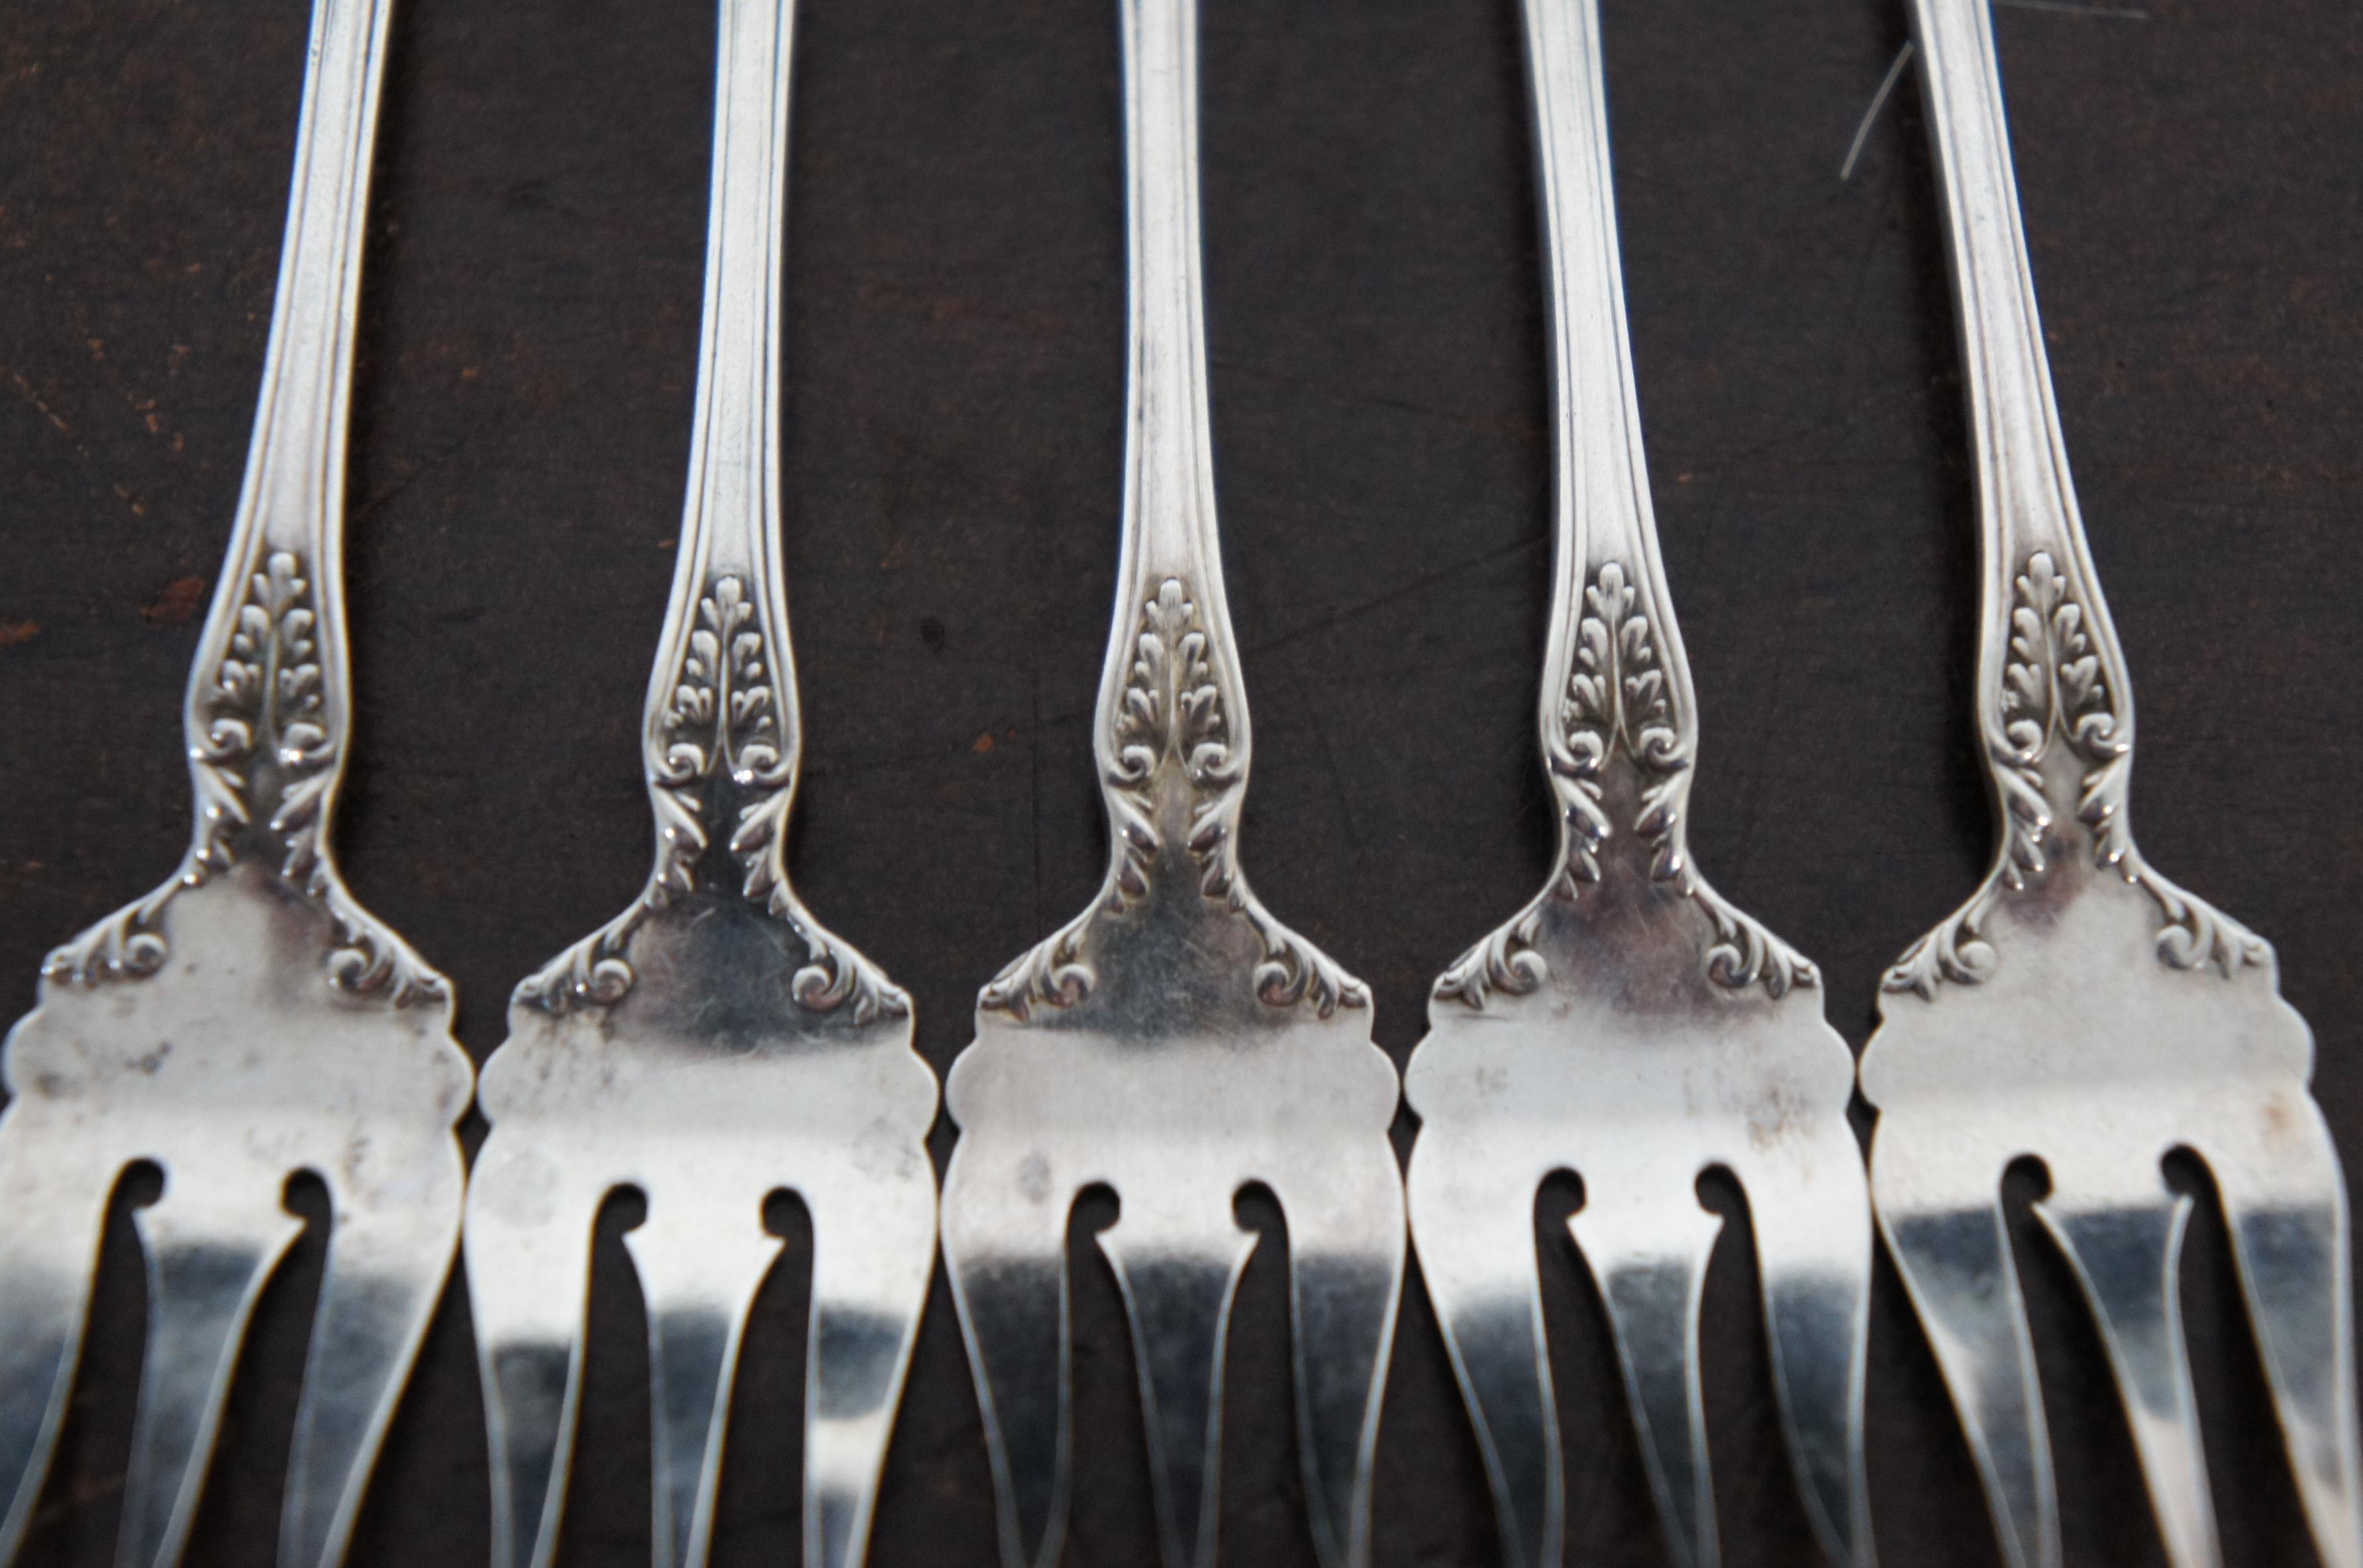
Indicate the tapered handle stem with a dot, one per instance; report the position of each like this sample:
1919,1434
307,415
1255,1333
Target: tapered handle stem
1611,582
286,552
727,578
1169,529
2026,499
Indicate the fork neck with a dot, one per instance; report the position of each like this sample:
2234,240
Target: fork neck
1170,530
723,685
2035,556
268,704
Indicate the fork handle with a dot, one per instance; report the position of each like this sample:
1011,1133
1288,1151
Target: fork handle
268,698
2043,615
728,577
1617,680
1169,532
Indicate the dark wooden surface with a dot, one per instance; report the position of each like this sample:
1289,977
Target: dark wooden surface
955,366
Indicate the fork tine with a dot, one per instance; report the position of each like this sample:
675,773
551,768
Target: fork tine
1473,1224
699,1283
53,1197
1812,1262
874,1250
387,1264
1008,1268
1179,1275
1954,1256
2126,1256
2285,1202
211,1241
1650,1260
528,1249
1343,1216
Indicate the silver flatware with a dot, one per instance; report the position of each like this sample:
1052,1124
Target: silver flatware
1174,1041
2081,1008
248,1020
713,1043
1629,1024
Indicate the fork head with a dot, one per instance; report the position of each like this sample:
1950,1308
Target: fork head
1174,1041
2079,1009
245,1022
2083,1010
1633,1027
1176,1044
712,1045
1630,1025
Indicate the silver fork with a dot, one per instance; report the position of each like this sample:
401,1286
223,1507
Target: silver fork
1629,1024
1174,1041
713,1043
248,1020
2081,1008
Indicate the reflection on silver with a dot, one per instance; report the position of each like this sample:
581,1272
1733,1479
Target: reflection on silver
1629,1024
1174,1041
2081,1008
714,1044
248,1020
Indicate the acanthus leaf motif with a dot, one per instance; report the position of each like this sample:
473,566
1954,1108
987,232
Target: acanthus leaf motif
722,719
1617,706
2055,697
1170,728
265,745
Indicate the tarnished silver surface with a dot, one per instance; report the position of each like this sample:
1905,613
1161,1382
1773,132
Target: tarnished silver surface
713,1043
248,1020
1629,1024
2081,1008
1174,1041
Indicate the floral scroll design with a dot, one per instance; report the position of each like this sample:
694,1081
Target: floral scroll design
1172,732
1618,708
2057,706
722,719
262,740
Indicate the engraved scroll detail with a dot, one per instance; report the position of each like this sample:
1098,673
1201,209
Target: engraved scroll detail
262,756
723,721
2056,705
1170,737
1618,708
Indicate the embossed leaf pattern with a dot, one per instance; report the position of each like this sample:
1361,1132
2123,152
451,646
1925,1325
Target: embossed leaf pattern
263,728
725,715
2054,690
1171,721
1619,703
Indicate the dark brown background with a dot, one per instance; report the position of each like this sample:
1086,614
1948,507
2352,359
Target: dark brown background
955,369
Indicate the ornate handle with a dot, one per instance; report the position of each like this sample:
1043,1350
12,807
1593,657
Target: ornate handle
1617,681
2052,692
268,700
2055,704
269,703
1169,579
719,732
1170,730
722,695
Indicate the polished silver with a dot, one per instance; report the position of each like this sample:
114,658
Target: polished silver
2082,1009
714,1044
1629,1024
248,1020
1174,1041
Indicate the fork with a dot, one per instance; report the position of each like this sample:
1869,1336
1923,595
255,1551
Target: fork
1174,1041
1629,1024
713,1043
248,1020
2080,1008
